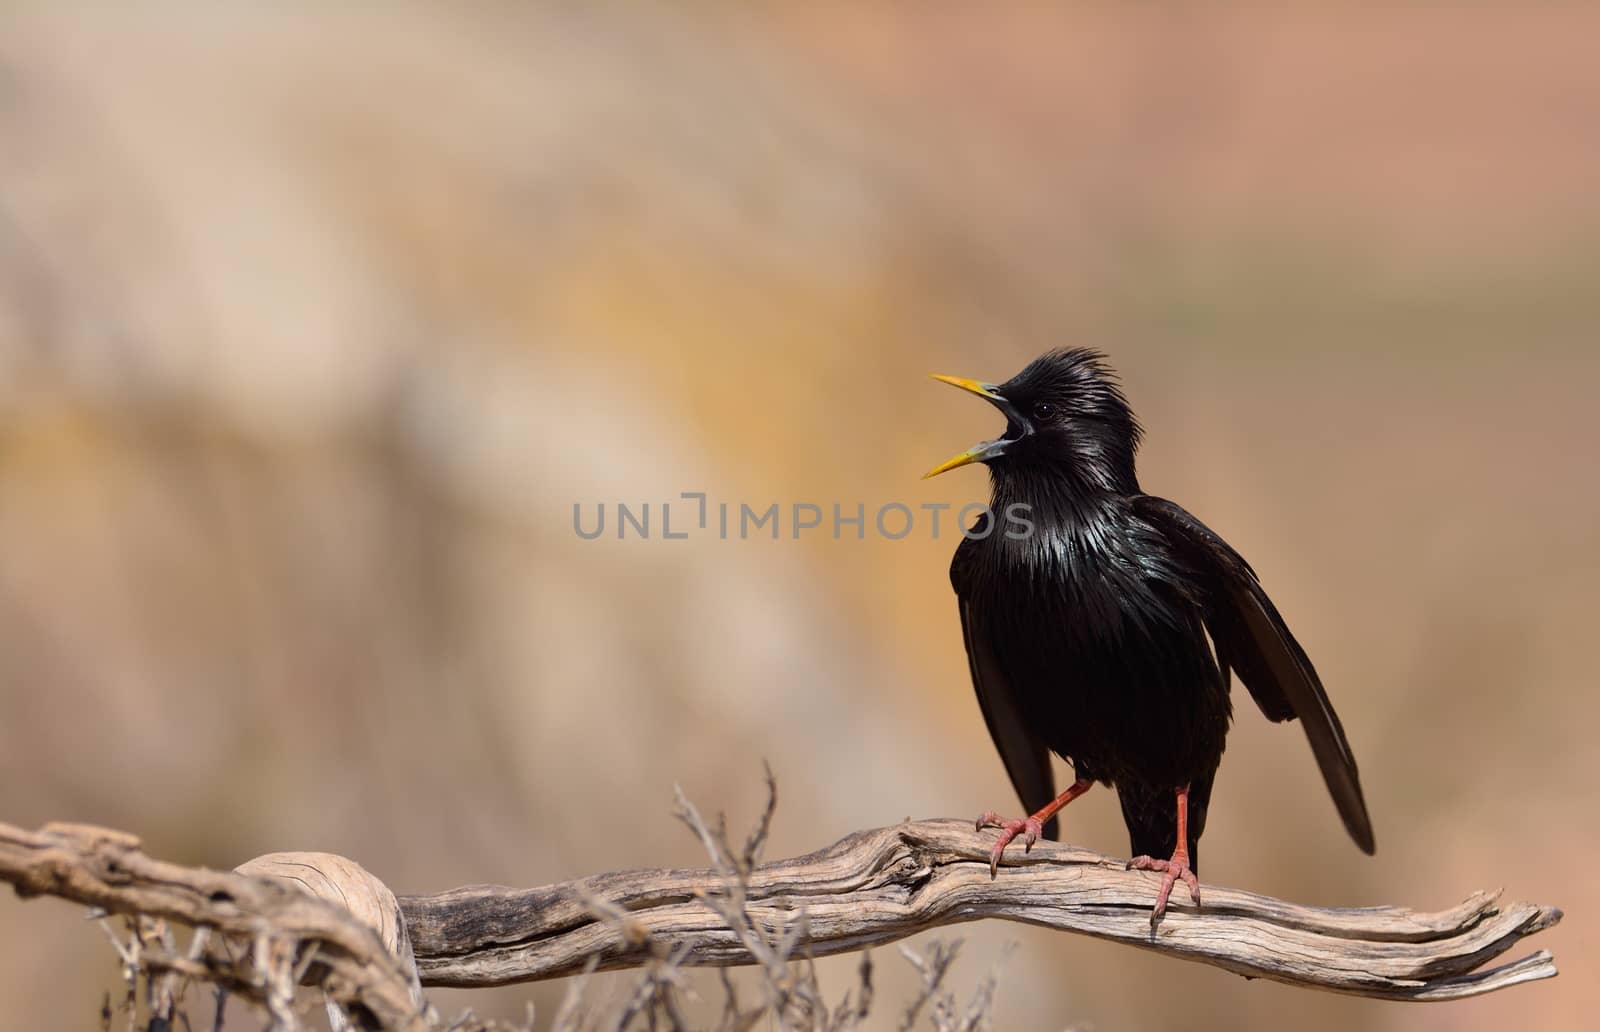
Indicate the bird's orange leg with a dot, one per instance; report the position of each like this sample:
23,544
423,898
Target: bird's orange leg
1030,828
1175,868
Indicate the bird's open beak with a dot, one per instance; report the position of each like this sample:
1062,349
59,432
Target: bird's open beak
988,449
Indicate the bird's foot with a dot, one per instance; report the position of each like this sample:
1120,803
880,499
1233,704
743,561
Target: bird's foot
1030,828
1172,870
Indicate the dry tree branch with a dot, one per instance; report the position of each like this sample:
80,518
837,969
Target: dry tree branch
879,886
869,888
287,928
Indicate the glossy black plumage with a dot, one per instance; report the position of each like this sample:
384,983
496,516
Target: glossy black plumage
1092,635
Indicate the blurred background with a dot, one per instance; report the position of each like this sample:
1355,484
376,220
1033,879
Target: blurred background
314,330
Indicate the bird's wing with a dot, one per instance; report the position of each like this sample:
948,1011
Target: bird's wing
1026,759
1252,638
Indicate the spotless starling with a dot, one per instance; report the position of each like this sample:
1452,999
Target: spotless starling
1087,622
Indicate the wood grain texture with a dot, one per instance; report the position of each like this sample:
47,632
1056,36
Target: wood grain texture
348,885
878,886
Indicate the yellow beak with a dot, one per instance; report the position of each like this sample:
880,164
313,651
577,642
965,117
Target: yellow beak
984,390
955,461
981,452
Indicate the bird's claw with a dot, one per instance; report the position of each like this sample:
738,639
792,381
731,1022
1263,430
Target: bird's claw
1030,828
1173,871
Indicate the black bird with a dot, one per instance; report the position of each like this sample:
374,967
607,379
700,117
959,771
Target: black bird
1086,605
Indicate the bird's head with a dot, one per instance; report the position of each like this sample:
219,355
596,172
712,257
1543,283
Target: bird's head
1065,412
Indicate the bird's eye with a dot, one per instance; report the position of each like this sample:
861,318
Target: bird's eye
1043,410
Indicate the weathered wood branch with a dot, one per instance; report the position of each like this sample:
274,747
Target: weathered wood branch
874,887
870,888
285,928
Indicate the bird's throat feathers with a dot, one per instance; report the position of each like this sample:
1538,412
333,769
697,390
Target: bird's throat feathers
1079,491
1080,526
